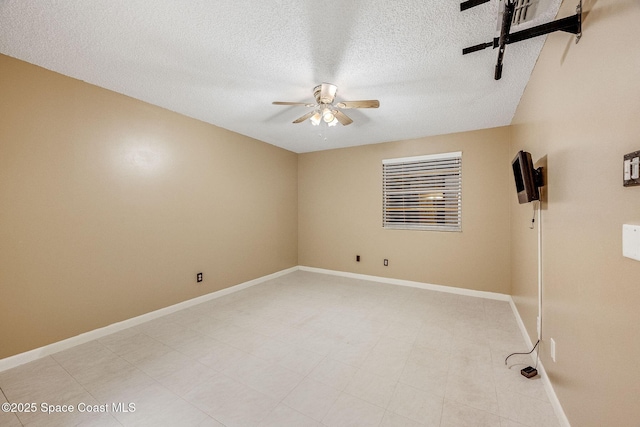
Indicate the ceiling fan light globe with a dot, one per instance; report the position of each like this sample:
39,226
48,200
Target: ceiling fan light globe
315,119
328,116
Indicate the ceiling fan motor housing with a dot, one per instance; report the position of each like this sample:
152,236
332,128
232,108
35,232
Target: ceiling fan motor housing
325,93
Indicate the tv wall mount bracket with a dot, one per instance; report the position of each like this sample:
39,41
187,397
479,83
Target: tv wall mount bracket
570,24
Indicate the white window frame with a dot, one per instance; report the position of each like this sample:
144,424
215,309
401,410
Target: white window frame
423,192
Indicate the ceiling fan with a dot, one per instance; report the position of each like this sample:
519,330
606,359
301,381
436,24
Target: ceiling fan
327,109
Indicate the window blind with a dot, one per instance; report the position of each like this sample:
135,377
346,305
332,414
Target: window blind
423,192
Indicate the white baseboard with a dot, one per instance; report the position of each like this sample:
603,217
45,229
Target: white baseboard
551,394
400,282
29,356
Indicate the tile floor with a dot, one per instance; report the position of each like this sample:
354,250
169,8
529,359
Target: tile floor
305,349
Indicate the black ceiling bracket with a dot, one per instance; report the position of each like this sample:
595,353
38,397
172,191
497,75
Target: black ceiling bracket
570,24
471,3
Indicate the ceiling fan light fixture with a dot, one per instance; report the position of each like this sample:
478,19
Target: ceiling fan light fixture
328,116
334,121
315,119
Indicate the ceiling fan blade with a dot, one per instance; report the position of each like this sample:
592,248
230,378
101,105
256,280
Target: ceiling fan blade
293,103
305,117
370,103
342,118
327,93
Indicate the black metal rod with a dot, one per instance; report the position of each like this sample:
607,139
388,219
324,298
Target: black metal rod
477,47
570,24
509,7
471,3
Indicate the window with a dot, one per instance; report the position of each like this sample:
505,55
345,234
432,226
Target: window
423,192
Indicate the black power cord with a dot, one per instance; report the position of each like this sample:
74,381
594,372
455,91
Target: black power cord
513,354
528,372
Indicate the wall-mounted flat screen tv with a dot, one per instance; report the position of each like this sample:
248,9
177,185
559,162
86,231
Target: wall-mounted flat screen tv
526,177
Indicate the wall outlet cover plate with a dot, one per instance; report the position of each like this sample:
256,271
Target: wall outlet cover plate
631,241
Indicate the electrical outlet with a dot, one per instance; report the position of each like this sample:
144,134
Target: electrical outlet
357,258
199,277
386,262
552,349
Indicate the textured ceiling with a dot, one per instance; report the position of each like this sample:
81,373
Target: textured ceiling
225,61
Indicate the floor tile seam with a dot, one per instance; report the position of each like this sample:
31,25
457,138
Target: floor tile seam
245,329
369,402
298,346
96,340
175,346
281,400
328,411
15,416
442,396
526,396
207,335
77,381
293,409
157,376
404,365
474,409
495,393
335,359
183,399
122,356
193,358
229,377
137,348
289,370
36,416
404,416
304,377
3,393
525,423
152,378
379,337
441,411
243,312
449,371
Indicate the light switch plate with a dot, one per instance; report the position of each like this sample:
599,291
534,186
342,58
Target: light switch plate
635,168
631,169
631,241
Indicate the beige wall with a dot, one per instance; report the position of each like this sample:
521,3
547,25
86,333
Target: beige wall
581,110
110,206
340,214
